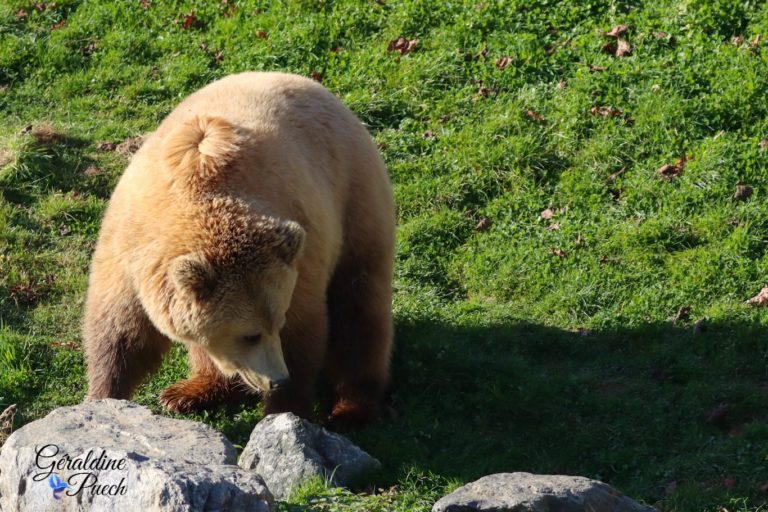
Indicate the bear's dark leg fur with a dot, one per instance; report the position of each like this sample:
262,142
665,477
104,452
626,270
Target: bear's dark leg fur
360,303
207,387
122,347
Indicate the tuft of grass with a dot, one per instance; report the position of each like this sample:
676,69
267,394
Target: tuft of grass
525,342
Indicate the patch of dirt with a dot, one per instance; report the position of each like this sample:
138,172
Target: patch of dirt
6,423
130,146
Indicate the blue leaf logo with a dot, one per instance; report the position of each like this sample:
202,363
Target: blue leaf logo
57,485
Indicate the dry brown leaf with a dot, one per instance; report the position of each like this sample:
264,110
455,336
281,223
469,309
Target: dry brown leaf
596,69
556,251
547,214
737,40
428,134
761,299
553,227
623,48
669,171
58,25
402,45
754,43
218,55
617,31
92,171
534,116
107,146
262,35
605,111
145,4
743,191
561,84
21,14
619,48
763,144
503,62
483,224
189,20
660,35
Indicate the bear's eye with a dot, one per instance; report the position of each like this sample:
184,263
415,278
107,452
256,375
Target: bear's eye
252,339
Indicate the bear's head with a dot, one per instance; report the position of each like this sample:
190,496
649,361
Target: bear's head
232,297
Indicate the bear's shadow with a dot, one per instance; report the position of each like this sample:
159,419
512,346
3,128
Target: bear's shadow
619,405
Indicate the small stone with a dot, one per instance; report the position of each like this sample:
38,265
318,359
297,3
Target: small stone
287,450
526,492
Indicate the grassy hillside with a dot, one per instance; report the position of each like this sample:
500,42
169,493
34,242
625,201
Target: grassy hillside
561,305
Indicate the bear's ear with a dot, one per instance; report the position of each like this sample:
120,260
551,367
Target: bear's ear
193,274
291,240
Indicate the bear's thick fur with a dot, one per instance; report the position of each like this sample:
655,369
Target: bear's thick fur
256,226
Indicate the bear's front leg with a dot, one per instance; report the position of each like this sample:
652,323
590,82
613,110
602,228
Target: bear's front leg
206,388
122,347
304,340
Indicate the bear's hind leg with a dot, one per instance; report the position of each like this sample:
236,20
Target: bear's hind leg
360,304
206,388
122,347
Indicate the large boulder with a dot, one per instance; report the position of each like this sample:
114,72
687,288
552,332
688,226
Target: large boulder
287,450
116,455
525,492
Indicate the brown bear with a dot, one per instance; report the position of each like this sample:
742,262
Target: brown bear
255,226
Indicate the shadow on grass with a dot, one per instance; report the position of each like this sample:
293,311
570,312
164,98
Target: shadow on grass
637,408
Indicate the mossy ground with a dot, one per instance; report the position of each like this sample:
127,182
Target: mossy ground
531,344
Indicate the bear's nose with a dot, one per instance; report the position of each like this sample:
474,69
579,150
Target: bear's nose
278,384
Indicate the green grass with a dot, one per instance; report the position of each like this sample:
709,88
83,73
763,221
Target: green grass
509,356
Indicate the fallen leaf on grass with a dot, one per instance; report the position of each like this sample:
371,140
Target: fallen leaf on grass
669,171
145,4
92,171
483,224
402,45
71,345
316,76
547,214
188,21
761,299
553,227
58,25
743,191
556,251
620,48
617,31
428,134
21,14
754,43
561,84
262,35
763,144
605,111
737,40
107,146
534,116
596,69
503,62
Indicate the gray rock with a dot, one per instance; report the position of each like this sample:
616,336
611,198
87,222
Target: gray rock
117,456
287,450
525,492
